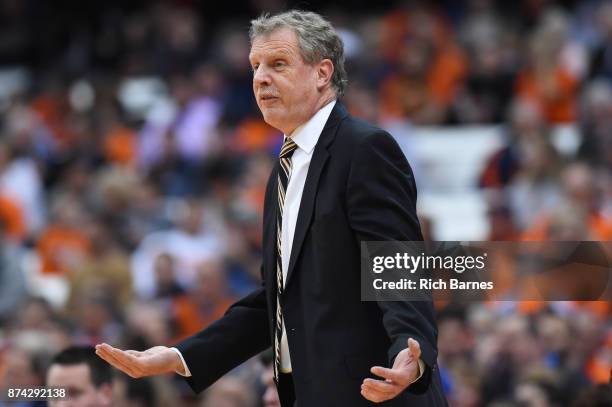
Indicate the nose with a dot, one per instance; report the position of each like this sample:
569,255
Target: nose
261,76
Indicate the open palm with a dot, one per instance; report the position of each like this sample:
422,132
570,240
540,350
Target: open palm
156,360
404,372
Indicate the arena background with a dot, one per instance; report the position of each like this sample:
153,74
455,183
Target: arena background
133,160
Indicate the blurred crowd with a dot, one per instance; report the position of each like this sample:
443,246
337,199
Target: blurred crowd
133,162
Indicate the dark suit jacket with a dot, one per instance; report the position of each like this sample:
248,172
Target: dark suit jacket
359,188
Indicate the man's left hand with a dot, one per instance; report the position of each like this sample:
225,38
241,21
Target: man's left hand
404,372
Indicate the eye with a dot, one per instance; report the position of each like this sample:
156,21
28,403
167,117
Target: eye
254,67
279,64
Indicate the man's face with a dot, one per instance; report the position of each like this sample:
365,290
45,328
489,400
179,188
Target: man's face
18,370
285,87
270,397
81,391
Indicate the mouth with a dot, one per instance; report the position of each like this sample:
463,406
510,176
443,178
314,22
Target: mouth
268,98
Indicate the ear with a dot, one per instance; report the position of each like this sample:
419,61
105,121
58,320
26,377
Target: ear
325,70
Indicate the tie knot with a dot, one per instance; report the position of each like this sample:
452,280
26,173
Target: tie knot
288,148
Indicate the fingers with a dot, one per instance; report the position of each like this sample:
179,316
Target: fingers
415,348
378,390
397,379
393,375
120,360
105,354
104,351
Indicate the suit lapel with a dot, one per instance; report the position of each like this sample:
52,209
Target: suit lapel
317,163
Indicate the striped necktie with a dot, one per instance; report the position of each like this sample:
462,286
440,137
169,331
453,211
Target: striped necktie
284,173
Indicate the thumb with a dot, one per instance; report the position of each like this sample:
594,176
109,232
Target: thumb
415,348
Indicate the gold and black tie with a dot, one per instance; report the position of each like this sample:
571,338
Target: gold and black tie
284,173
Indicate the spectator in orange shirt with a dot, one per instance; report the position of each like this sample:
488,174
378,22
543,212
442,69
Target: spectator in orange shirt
63,245
12,218
105,269
545,82
586,218
120,145
252,135
206,302
430,67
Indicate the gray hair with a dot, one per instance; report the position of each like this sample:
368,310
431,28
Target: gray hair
316,36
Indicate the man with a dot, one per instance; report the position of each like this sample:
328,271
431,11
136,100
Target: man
88,379
338,181
20,368
270,394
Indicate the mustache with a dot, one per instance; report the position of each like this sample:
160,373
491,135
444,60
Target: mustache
267,94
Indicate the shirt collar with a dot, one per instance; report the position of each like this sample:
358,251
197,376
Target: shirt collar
307,134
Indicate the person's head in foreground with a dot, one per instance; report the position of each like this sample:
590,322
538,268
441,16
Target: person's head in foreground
86,377
270,396
298,67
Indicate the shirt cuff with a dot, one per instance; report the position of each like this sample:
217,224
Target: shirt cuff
188,373
419,375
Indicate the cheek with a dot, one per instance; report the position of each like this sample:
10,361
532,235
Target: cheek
305,84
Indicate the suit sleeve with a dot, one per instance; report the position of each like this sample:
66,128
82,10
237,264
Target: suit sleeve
240,334
381,206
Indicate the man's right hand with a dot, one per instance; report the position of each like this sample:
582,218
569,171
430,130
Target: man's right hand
153,361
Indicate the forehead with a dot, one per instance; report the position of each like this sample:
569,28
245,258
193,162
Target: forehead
277,42
69,375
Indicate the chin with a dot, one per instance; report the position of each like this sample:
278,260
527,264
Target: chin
272,118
